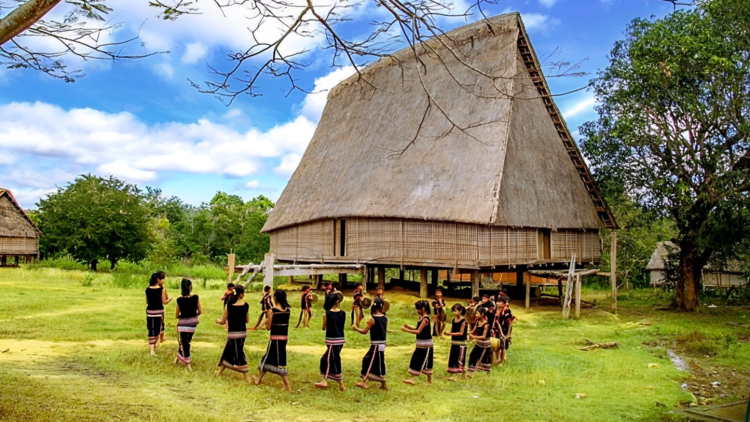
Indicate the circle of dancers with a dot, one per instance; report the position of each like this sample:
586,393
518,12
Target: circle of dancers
486,321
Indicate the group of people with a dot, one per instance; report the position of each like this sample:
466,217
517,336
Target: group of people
484,319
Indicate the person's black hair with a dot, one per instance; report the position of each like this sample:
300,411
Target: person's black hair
379,288
238,291
459,307
279,296
481,311
230,285
476,299
155,277
305,288
185,286
331,300
503,299
377,305
485,296
423,304
267,288
439,290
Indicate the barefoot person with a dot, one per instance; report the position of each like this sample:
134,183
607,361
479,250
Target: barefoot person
237,315
305,313
373,364
334,321
156,298
481,356
458,335
188,309
421,359
357,313
505,321
274,361
439,315
265,305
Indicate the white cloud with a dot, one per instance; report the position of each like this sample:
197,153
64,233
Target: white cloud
121,169
582,106
165,69
288,165
252,184
547,3
193,53
537,21
312,107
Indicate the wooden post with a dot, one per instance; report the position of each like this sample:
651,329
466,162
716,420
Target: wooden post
318,281
291,279
342,281
474,283
560,290
230,265
578,296
527,281
423,283
268,271
381,277
435,277
365,276
613,269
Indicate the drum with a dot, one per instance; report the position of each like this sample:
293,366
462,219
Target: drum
471,313
495,344
366,302
313,298
341,296
386,306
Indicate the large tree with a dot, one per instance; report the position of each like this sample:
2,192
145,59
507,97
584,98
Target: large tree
95,218
673,129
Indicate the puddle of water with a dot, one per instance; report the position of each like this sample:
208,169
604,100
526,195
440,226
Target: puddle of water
678,362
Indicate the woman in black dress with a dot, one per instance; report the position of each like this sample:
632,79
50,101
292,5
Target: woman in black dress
481,356
357,306
334,321
373,364
421,359
156,298
236,315
188,309
458,335
274,361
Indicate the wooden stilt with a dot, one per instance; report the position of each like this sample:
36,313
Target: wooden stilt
381,277
318,281
365,276
342,281
560,291
268,271
578,296
527,282
423,283
613,269
291,279
474,283
230,267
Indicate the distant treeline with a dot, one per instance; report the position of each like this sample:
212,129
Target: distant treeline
95,219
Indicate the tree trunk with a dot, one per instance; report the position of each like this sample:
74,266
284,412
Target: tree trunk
93,265
690,269
113,264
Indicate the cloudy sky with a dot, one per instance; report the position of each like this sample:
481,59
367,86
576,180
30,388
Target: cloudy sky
143,122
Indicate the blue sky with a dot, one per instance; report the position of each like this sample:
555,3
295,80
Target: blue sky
143,122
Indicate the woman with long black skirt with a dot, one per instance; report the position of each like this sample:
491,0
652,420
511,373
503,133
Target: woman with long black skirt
334,321
274,361
373,364
156,298
236,315
188,309
422,358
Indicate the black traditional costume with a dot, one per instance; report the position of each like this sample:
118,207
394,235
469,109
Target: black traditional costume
186,325
373,364
274,361
357,304
438,305
234,354
504,320
481,356
421,359
330,362
154,314
457,355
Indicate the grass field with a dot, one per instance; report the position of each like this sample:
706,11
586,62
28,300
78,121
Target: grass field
75,352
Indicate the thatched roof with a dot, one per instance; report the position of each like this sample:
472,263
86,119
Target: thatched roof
663,248
512,168
13,219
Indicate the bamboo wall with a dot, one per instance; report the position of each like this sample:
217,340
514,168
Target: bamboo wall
416,242
19,246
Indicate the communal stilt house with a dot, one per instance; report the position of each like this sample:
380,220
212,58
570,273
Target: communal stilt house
19,236
468,167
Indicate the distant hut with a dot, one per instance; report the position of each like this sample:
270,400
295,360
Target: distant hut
722,278
514,194
19,236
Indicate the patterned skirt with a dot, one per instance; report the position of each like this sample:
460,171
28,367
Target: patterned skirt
457,358
186,328
234,352
155,325
330,363
421,359
373,364
274,361
480,358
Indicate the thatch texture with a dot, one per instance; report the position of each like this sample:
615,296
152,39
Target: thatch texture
511,171
18,234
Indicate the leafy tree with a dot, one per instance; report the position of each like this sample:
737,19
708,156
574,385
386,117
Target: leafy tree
673,129
237,226
96,218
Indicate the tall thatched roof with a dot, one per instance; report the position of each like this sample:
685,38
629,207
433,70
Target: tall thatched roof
509,168
13,219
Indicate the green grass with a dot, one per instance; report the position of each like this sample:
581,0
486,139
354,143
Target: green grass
78,352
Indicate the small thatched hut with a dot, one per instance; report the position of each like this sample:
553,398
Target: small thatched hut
510,191
19,236
722,278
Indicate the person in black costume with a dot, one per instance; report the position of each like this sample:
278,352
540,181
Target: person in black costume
334,321
274,361
422,358
236,315
187,312
373,364
459,343
156,298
